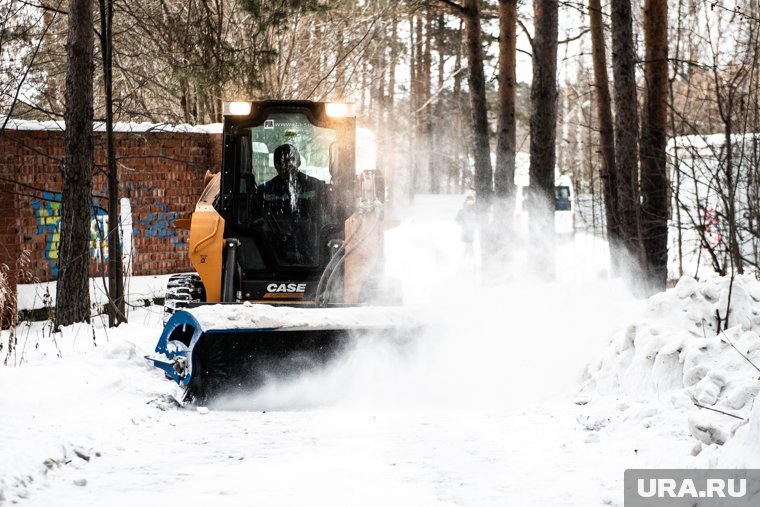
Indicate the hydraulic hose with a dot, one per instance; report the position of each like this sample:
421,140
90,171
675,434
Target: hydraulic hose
320,298
322,290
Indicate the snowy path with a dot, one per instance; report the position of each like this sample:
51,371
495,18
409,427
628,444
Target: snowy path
347,457
397,442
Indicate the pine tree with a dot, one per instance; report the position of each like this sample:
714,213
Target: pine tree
73,288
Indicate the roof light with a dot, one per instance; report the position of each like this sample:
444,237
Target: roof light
237,108
339,109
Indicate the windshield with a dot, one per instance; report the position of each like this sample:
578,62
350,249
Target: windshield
313,144
562,198
290,162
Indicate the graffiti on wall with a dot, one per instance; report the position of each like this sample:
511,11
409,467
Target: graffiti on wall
48,214
159,224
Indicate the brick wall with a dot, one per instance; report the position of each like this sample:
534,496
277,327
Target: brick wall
161,173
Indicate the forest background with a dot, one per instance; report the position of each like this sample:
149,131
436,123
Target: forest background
454,92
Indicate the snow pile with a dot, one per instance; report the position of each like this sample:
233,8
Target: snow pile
674,354
742,450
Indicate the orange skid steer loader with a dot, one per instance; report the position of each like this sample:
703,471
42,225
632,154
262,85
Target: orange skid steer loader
287,241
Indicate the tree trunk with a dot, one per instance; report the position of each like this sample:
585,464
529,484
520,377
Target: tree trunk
413,105
676,184
427,112
459,143
422,108
626,130
441,153
392,173
654,178
504,174
606,129
73,287
543,129
393,61
377,98
116,314
477,84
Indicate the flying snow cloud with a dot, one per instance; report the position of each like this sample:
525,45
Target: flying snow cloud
489,338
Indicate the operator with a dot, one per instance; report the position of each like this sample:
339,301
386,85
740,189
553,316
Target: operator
467,218
291,191
294,200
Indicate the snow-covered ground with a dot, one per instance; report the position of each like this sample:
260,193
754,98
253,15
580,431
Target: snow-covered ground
518,392
140,290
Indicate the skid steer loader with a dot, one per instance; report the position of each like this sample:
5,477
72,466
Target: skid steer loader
287,241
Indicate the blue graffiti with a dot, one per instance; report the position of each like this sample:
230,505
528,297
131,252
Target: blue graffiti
159,225
47,210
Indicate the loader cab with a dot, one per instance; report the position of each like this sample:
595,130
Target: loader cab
285,223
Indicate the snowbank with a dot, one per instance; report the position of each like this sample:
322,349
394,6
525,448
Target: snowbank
742,450
674,356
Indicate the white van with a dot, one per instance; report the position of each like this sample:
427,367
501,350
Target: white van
564,206
564,199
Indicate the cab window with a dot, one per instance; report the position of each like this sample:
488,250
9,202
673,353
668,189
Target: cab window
313,144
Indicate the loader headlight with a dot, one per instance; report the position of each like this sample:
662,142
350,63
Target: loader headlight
339,109
237,108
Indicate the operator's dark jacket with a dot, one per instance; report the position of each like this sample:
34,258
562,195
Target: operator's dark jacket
275,194
297,221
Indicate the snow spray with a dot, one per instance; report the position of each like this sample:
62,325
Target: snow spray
493,336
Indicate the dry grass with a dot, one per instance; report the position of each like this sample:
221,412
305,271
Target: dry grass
9,303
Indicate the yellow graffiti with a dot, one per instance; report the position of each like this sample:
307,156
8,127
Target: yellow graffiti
50,217
48,211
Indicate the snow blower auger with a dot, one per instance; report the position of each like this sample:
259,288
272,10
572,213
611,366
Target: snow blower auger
287,241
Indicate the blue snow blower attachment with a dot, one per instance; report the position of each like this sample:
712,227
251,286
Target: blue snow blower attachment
218,349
